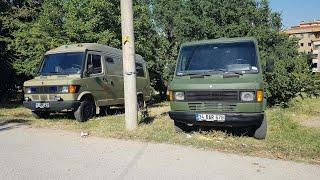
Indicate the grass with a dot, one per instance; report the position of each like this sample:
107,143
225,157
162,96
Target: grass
287,139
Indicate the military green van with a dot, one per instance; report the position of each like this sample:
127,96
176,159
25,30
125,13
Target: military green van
82,80
219,83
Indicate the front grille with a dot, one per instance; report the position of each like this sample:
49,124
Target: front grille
212,107
35,97
212,96
43,97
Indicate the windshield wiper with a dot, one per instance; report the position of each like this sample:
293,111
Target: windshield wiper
201,73
53,73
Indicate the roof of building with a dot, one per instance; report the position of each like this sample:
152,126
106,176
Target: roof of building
305,27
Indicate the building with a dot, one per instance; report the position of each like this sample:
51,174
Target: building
316,61
308,34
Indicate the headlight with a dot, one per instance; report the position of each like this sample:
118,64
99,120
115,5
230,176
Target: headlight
64,89
29,90
179,96
247,96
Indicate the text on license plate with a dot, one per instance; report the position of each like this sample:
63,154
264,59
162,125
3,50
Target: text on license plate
42,105
210,117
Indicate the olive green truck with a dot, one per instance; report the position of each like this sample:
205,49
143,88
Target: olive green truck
219,83
82,80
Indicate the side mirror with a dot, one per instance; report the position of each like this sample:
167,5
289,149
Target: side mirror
171,68
270,65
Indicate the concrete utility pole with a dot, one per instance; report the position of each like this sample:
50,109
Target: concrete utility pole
129,67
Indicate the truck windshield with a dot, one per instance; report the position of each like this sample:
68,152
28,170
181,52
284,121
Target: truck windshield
218,58
62,63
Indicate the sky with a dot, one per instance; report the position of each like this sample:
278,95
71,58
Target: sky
295,11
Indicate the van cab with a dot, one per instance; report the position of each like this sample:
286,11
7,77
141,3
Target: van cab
82,80
219,83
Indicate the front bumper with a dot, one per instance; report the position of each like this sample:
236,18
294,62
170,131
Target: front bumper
53,105
232,119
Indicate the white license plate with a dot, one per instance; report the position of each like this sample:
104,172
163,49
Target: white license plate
211,117
42,105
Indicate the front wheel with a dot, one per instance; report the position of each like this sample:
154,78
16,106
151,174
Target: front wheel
85,111
261,132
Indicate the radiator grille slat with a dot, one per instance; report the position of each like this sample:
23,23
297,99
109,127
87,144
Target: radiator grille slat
212,95
212,107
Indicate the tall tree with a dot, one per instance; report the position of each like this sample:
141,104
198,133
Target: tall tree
12,13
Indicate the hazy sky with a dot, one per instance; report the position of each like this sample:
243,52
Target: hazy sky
295,11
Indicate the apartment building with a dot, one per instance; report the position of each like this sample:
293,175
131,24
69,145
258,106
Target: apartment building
308,34
316,60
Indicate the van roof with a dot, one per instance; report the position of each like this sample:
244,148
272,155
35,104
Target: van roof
82,47
220,40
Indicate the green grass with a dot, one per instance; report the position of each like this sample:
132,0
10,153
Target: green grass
287,139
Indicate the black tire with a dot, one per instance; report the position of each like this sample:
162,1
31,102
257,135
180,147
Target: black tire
140,103
40,114
261,132
85,111
181,127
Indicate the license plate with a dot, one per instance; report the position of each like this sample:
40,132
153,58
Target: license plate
211,117
42,105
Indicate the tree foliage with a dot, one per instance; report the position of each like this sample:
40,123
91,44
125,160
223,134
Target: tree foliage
160,27
12,13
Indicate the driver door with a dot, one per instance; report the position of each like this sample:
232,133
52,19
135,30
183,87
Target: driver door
93,79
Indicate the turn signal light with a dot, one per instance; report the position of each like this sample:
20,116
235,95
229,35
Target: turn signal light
260,96
170,95
73,89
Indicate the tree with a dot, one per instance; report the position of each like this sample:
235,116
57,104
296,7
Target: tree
11,14
161,26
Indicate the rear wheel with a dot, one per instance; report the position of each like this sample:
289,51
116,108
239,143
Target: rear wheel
40,114
85,111
140,103
141,106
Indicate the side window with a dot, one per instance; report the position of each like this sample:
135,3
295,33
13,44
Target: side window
94,64
111,65
140,70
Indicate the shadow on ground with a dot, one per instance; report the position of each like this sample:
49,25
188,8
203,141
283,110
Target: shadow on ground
10,105
13,123
238,132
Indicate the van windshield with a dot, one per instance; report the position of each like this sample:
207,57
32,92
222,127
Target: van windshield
62,63
238,57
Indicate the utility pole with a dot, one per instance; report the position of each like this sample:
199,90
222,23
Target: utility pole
129,67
